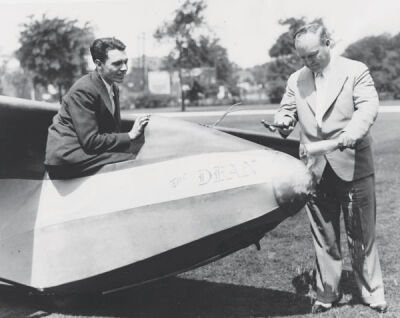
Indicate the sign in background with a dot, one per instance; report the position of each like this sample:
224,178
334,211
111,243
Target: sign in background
159,82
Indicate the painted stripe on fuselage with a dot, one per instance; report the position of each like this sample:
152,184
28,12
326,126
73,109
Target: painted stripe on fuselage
64,200
86,247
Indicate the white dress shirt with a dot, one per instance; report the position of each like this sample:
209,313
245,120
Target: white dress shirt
321,83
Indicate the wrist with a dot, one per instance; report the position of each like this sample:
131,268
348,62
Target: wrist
133,135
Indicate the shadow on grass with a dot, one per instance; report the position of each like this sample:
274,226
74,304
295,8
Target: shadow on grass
173,297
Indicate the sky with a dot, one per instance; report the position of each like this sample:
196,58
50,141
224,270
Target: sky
246,28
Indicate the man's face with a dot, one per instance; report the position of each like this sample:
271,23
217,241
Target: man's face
315,55
115,67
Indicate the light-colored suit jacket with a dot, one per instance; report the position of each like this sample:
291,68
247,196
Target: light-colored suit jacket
351,105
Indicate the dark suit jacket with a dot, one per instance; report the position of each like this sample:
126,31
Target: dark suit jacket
84,133
351,105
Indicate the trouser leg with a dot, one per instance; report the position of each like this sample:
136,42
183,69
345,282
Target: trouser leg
323,210
359,210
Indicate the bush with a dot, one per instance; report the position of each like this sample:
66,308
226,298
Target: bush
275,91
155,101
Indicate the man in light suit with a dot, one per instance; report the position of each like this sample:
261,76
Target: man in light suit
335,98
86,132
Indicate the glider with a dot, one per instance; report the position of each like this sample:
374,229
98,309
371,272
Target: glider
192,195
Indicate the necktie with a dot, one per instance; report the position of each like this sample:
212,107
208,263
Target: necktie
112,96
320,94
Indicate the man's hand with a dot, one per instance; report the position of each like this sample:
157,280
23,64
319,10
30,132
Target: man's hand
138,126
346,141
287,124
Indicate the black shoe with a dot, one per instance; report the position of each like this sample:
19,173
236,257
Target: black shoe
381,308
318,308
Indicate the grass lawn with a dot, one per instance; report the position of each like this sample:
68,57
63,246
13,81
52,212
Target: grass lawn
273,282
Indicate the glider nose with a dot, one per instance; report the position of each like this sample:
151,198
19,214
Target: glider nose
293,183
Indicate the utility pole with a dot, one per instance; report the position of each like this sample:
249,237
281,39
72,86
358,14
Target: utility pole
145,86
139,52
142,58
183,106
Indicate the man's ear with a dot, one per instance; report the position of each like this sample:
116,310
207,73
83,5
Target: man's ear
97,62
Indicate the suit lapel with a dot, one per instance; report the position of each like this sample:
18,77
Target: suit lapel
307,88
103,91
337,79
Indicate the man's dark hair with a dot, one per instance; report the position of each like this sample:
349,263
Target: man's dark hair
100,47
312,28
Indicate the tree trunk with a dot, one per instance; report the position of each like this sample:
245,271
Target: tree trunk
59,93
183,106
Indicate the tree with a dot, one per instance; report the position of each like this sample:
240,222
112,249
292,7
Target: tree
212,54
284,44
54,51
194,46
16,83
381,54
284,58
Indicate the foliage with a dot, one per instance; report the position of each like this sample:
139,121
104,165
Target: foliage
205,52
194,45
259,73
54,50
20,83
382,55
184,29
284,44
211,53
284,59
15,81
278,71
154,100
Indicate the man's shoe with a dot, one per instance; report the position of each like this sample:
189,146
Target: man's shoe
381,308
319,307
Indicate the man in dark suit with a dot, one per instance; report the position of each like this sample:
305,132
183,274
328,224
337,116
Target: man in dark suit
334,98
86,132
